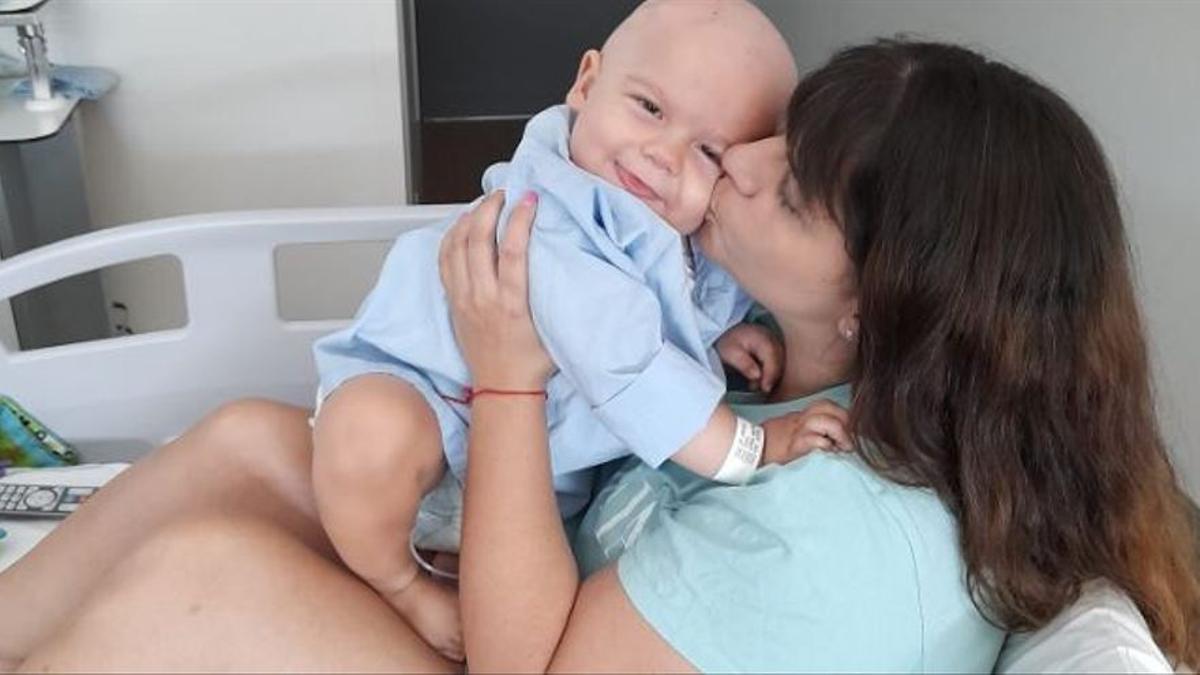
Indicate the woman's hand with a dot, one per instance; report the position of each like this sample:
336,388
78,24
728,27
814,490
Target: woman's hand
488,294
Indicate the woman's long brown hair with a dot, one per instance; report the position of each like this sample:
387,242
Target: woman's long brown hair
1002,355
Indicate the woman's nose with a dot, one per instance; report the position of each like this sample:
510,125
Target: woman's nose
749,166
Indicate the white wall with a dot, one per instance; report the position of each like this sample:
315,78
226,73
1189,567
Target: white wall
1132,69
231,105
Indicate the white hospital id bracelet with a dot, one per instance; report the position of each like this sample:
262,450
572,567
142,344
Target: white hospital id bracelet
744,454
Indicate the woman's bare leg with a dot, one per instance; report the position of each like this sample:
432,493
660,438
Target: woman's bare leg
249,457
234,594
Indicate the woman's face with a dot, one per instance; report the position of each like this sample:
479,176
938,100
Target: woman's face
791,259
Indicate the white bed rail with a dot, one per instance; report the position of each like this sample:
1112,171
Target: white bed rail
119,397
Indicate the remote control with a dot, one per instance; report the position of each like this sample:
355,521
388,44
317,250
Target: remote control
41,501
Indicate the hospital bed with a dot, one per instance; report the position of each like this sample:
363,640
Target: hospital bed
116,399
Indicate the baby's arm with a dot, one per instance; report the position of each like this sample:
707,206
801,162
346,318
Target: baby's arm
753,351
729,449
823,425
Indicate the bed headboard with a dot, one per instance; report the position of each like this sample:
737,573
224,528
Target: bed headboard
119,397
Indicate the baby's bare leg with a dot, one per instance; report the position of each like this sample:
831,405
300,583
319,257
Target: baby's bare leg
234,595
378,451
248,457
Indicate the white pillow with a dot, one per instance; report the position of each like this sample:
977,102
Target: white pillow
1103,632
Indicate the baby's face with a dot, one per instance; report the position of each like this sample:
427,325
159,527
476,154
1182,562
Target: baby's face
655,115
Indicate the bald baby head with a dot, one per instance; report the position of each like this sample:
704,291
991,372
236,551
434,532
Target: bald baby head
734,32
673,86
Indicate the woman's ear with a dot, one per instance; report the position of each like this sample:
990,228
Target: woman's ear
589,69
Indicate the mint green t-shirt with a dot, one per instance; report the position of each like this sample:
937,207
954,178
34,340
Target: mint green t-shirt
818,565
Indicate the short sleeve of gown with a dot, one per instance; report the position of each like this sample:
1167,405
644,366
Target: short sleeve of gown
804,569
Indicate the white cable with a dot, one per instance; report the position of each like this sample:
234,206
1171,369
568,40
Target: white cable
428,566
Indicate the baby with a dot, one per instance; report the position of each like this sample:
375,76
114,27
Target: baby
629,312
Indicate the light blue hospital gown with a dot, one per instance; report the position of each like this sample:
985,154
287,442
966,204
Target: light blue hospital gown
624,306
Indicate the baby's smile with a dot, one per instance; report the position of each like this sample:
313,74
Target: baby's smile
635,185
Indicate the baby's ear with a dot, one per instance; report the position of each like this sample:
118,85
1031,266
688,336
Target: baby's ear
589,69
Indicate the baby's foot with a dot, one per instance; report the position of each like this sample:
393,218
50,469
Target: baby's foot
431,608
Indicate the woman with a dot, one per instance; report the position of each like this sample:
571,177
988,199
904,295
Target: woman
936,228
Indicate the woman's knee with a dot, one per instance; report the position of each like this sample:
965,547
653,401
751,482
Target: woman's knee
252,454
255,419
247,433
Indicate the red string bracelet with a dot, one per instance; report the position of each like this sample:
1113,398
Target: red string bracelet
470,394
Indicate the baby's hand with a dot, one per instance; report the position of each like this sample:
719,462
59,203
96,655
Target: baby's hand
754,352
822,425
